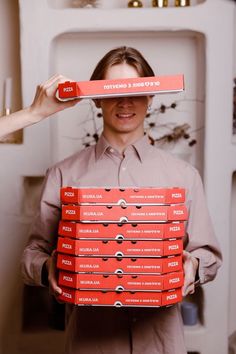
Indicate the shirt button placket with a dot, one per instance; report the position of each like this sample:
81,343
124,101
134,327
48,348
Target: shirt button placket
123,173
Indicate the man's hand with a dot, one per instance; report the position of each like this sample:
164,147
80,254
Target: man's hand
190,265
52,275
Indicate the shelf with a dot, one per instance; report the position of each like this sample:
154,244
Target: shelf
13,138
114,4
50,341
194,337
232,288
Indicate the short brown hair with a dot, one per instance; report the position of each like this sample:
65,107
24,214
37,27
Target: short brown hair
121,55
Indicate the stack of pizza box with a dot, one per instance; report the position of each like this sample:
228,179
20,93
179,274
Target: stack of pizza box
121,247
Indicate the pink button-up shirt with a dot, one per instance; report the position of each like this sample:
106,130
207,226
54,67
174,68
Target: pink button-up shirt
107,330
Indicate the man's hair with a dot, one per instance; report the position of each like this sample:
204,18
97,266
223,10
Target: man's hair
120,55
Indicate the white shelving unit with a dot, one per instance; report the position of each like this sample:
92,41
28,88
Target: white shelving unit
206,32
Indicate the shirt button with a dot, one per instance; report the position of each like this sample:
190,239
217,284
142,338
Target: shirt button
123,168
111,150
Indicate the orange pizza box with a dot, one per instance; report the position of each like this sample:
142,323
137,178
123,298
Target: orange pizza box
119,265
131,213
120,87
114,248
124,282
126,196
118,299
122,231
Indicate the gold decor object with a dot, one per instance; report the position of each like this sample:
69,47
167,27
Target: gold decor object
12,138
84,3
182,3
159,3
135,3
15,137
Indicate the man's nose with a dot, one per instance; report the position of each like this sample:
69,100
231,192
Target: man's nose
125,101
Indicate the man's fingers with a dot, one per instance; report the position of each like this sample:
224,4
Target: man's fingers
186,255
55,290
188,288
52,275
190,265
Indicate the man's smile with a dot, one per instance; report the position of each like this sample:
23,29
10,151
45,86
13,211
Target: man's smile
125,115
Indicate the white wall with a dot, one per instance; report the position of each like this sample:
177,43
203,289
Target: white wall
9,250
9,50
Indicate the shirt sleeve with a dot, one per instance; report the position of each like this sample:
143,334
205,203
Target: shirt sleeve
202,242
43,234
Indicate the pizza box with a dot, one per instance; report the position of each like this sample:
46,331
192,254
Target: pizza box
116,248
120,87
122,196
121,282
125,231
115,265
119,214
120,299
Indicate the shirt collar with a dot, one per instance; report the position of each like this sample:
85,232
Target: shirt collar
141,146
101,147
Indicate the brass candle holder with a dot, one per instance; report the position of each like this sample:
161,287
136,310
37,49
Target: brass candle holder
135,3
159,3
12,138
182,3
15,137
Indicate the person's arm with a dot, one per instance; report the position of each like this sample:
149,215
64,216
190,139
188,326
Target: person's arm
202,256
38,263
44,105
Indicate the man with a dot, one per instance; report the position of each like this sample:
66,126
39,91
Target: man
123,157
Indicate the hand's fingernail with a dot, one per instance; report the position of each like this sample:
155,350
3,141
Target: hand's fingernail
58,291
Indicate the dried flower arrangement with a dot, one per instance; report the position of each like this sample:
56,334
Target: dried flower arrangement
172,132
159,134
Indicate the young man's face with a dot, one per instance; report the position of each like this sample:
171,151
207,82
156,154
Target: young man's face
123,115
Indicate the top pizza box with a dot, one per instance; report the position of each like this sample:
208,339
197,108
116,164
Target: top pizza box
120,87
122,196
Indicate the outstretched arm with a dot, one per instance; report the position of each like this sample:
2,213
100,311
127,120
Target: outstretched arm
44,105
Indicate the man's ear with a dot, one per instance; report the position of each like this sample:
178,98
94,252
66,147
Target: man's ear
97,103
150,99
